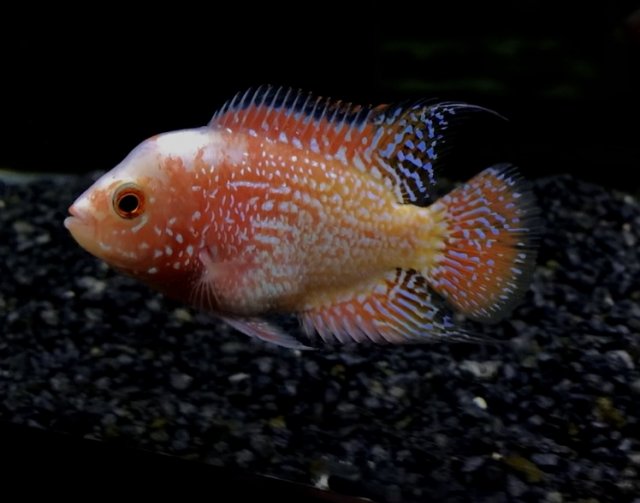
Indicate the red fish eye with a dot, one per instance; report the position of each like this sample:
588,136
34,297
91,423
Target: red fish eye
128,201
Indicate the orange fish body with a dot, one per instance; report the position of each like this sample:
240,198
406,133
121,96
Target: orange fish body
288,203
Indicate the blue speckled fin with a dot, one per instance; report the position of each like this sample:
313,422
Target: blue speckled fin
403,144
264,330
399,309
411,140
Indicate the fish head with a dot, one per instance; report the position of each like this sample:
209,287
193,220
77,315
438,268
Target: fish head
138,216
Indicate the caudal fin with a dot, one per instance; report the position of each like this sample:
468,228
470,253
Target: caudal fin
490,242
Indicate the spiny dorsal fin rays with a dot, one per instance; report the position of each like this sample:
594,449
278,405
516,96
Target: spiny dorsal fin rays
245,108
268,105
304,120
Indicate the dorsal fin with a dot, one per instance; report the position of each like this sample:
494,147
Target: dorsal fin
294,116
401,144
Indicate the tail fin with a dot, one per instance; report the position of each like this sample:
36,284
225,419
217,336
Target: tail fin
489,244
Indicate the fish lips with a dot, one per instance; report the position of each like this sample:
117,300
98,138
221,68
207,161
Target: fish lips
82,227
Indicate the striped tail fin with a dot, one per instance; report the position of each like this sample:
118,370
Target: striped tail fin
489,250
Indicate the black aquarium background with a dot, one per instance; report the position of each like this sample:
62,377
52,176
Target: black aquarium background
80,92
87,354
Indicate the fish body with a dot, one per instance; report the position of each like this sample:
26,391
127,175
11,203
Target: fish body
291,203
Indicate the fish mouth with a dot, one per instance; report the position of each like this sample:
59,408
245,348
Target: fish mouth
80,224
76,218
70,221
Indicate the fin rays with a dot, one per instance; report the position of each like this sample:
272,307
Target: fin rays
398,309
489,249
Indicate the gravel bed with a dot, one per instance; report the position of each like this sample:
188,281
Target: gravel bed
551,414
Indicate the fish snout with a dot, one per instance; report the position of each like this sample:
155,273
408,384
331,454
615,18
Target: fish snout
75,215
80,219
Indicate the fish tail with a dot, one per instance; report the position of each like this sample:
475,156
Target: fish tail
488,230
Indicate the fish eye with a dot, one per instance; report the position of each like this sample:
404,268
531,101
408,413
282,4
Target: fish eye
128,201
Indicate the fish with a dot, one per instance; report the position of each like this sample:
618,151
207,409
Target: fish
288,203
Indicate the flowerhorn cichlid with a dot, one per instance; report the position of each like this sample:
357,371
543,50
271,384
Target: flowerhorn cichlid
289,203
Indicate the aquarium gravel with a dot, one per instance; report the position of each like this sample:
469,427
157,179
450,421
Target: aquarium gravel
549,413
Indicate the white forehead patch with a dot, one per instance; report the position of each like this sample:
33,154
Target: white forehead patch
186,144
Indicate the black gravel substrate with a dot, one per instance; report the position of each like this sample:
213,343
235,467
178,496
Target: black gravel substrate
551,415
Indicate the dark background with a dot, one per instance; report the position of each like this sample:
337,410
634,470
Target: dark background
81,88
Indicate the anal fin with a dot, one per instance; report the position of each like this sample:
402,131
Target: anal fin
398,309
